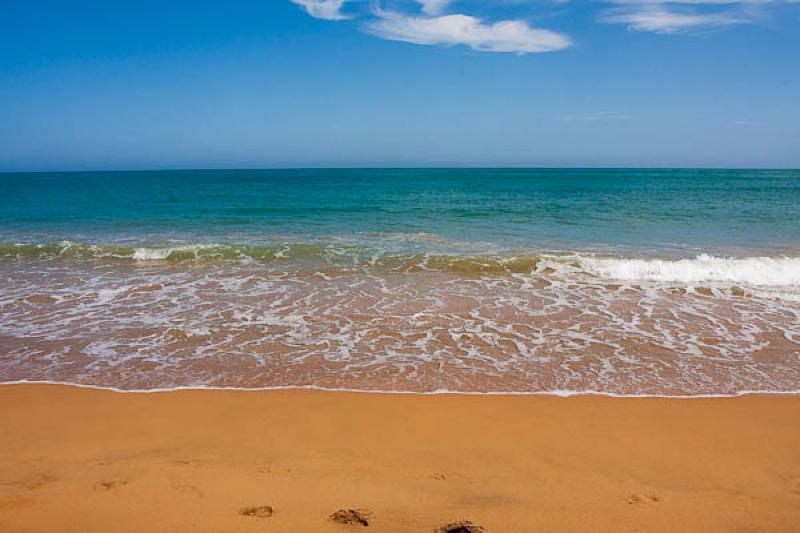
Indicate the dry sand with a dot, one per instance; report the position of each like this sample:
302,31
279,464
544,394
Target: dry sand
95,461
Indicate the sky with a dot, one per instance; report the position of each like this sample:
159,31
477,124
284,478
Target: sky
99,85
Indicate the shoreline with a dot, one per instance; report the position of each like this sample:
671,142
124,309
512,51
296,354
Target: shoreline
442,392
82,459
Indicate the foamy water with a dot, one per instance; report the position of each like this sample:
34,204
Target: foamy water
668,282
416,323
774,272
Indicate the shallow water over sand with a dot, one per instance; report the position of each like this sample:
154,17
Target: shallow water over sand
158,324
663,281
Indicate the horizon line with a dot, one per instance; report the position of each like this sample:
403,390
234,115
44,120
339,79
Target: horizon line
380,167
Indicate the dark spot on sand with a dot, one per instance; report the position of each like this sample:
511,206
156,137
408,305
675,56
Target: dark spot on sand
189,462
355,517
109,485
465,526
637,499
263,511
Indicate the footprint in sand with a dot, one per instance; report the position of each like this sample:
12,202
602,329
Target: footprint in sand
354,517
465,526
104,486
263,511
638,499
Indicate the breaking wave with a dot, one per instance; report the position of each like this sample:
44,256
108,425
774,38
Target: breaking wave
704,270
750,271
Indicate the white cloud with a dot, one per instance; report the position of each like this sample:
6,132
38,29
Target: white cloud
513,36
699,2
434,7
323,9
673,16
661,20
430,25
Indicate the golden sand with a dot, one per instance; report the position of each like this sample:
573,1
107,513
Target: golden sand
82,460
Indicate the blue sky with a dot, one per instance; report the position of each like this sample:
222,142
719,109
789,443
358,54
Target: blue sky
285,83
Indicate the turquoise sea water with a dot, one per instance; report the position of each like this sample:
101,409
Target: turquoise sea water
484,210
658,282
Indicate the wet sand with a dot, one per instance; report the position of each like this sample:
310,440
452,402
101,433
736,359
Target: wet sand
81,460
145,325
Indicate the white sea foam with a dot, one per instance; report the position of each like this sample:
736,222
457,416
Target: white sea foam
559,329
749,271
160,254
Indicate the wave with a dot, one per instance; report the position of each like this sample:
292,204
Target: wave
704,270
326,255
72,250
749,271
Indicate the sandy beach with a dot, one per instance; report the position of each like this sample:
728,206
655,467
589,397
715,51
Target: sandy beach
88,460
402,266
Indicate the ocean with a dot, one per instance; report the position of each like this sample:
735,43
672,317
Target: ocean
628,282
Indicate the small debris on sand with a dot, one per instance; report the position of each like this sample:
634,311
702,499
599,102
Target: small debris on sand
465,526
356,517
109,485
263,511
637,499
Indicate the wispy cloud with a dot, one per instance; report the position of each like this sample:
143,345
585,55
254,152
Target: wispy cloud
660,20
434,7
676,16
323,9
439,22
513,36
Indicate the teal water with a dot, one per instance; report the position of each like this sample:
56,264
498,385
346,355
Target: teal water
680,211
630,282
